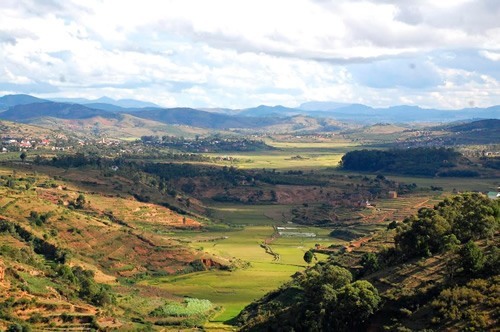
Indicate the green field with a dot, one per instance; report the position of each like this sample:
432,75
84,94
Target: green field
234,290
449,184
462,184
292,155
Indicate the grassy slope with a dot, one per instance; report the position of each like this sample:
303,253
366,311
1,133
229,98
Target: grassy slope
408,289
37,295
108,247
123,127
9,128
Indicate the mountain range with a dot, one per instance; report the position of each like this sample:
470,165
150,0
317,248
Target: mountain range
321,115
124,103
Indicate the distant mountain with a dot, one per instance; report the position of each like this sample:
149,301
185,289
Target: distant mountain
124,126
13,100
54,115
365,114
475,132
222,110
322,105
264,110
23,113
125,103
488,124
256,117
108,107
404,113
202,119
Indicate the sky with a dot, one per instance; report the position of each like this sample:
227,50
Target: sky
243,53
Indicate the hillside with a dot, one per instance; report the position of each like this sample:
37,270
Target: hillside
475,132
121,126
24,113
477,125
196,118
415,161
249,118
437,270
68,261
16,129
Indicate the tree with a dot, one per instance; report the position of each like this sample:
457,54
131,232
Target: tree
18,328
370,263
424,236
458,219
355,303
471,258
321,285
79,202
308,257
23,156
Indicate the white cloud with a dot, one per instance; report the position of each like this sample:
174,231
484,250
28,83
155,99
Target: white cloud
242,53
493,56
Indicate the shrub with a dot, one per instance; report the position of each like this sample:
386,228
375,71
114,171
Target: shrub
189,307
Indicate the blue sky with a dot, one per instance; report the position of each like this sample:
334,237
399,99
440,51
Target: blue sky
241,53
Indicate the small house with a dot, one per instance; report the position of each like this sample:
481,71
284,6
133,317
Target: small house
392,194
493,195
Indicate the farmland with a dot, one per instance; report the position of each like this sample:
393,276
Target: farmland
260,272
194,243
293,155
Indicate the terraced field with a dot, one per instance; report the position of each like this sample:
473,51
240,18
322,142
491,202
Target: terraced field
259,272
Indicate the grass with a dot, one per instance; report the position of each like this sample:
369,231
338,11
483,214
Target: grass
312,155
448,184
190,307
237,214
233,290
38,285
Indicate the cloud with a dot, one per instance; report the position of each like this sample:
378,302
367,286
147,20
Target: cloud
493,56
242,53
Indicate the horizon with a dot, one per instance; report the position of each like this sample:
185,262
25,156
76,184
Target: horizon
192,54
298,107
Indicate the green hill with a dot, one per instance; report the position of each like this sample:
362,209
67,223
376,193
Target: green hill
441,273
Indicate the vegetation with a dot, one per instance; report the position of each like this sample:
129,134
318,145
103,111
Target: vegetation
325,297
308,256
463,218
415,161
128,235
208,144
190,307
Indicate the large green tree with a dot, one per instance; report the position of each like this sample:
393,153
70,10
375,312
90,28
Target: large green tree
464,217
471,258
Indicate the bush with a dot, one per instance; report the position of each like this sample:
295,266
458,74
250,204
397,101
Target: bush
370,263
189,307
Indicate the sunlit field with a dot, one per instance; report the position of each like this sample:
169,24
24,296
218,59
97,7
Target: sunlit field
234,290
292,155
